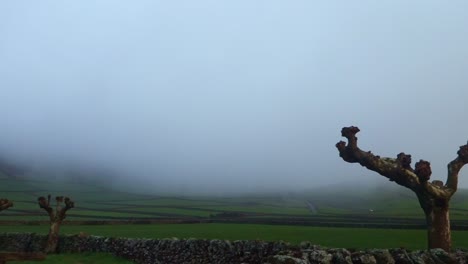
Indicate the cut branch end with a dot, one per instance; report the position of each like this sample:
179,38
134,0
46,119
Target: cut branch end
423,170
349,132
463,153
404,160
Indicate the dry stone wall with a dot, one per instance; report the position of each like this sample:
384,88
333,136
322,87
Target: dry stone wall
222,251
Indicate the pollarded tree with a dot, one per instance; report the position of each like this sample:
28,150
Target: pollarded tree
56,218
5,204
434,197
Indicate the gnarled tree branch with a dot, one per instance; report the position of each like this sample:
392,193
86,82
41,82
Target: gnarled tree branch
398,170
60,212
45,204
454,168
68,205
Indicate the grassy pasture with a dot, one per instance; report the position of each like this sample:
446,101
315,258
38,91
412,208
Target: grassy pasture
98,203
333,205
330,237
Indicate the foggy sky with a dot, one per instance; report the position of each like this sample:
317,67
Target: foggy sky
232,95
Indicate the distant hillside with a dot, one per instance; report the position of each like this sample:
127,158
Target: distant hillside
337,204
11,170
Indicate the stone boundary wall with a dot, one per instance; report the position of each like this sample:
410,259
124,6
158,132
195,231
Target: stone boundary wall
226,252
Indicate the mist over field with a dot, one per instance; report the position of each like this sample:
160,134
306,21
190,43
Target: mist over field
227,96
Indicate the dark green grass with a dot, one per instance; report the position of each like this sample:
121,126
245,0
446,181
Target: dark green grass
88,258
263,209
103,214
97,203
330,237
176,211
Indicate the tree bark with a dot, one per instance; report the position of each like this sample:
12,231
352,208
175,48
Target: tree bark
52,241
436,211
438,229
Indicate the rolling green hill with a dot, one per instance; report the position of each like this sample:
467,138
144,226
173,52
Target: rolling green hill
323,206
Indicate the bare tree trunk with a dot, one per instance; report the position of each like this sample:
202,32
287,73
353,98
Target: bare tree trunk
437,214
56,219
52,241
438,228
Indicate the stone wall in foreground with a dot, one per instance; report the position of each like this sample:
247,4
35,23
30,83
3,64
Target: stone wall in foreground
222,251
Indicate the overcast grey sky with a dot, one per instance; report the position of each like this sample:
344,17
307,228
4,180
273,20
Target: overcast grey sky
223,95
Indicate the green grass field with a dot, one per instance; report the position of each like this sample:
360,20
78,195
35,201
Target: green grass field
98,203
103,203
332,206
329,237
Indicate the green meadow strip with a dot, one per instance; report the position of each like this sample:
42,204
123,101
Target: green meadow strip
330,237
